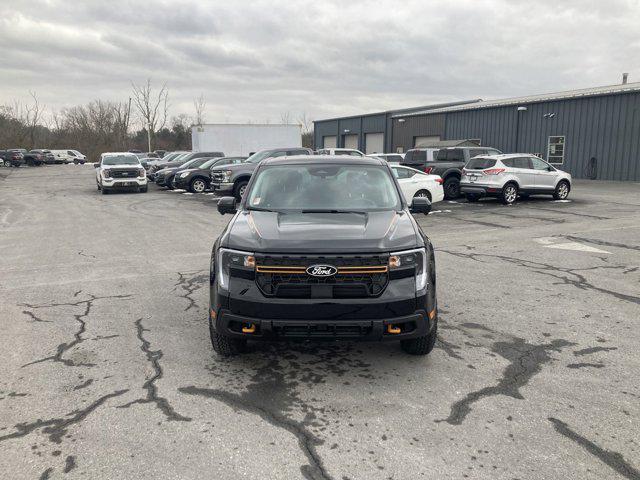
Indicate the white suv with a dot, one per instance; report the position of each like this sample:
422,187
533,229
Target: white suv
118,170
507,176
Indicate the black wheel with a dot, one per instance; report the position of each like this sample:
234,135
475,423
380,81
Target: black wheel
239,189
420,345
452,188
225,346
197,185
423,194
562,190
104,191
509,194
472,197
98,185
7,163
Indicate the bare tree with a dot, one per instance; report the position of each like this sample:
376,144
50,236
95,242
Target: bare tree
306,128
152,107
285,118
199,104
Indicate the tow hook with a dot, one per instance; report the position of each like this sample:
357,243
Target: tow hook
248,328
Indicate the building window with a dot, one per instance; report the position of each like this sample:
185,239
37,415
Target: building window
555,154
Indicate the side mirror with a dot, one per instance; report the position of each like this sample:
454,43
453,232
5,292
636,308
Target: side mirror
96,165
420,205
551,169
227,205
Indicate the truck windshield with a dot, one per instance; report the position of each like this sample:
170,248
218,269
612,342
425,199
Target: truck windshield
120,160
258,156
324,188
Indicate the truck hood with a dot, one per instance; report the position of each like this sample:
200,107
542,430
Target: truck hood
236,166
321,232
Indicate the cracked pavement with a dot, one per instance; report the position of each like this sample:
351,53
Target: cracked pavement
107,370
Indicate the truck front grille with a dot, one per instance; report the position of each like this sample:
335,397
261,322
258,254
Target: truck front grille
124,173
357,276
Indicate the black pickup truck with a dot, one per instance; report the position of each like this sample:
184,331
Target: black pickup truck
449,163
233,179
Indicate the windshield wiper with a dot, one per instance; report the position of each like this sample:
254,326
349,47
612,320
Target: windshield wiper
258,209
333,210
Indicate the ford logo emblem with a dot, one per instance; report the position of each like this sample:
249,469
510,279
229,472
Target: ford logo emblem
322,270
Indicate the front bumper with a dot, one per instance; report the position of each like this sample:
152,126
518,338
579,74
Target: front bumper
220,187
417,324
181,183
124,182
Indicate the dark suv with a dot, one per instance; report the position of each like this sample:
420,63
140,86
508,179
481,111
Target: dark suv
323,247
11,158
233,179
448,163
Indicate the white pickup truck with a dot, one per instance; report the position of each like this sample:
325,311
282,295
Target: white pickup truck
120,170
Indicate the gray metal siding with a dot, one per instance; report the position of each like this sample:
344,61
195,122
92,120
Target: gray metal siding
323,129
606,128
424,125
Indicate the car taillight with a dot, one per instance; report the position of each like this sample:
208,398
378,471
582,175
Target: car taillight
439,180
493,171
428,169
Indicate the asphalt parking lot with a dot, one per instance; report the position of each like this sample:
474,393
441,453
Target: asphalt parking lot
107,370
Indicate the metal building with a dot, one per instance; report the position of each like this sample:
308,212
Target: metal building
370,133
591,133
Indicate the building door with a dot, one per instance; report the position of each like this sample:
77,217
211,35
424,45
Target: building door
351,141
425,141
374,143
329,142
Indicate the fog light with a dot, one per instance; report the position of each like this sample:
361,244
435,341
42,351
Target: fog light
394,330
249,328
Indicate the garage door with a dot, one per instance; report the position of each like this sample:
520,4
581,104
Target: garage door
374,143
426,141
351,141
329,142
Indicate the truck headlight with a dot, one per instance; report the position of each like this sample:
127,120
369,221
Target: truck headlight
232,258
226,176
415,259
185,174
142,172
106,173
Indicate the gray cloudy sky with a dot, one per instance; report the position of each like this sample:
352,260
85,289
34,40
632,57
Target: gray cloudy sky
255,60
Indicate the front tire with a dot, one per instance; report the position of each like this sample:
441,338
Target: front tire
239,189
420,345
451,188
104,191
509,194
225,346
7,163
562,190
197,185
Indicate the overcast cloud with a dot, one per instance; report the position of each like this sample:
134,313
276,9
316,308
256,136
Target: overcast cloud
256,60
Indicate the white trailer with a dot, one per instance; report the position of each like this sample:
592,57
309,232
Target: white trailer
242,139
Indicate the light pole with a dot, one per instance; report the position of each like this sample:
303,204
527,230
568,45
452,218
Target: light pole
149,135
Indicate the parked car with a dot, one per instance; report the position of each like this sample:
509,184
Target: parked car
69,156
160,153
323,247
340,151
47,156
507,176
11,158
389,157
164,177
34,158
233,179
415,183
120,170
198,179
184,158
449,163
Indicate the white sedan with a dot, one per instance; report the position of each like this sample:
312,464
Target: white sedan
415,183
